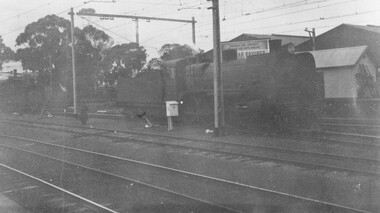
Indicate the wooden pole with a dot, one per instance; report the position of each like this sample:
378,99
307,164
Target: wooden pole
73,61
137,31
218,91
193,29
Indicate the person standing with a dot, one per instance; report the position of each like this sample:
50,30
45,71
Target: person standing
83,116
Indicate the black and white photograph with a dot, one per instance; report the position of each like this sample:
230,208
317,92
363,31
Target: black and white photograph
190,106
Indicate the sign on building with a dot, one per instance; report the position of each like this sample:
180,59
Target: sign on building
247,48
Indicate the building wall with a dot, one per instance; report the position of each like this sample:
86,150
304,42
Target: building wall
340,82
370,65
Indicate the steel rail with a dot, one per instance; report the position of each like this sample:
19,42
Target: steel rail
111,174
211,141
281,160
377,145
92,203
242,185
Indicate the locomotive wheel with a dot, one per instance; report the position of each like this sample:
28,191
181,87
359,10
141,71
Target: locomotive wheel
196,109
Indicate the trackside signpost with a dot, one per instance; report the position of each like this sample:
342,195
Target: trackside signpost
171,111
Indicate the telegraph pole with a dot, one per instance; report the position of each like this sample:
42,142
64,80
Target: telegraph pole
218,86
312,35
137,32
193,28
73,61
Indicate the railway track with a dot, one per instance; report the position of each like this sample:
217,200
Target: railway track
366,128
334,158
96,182
37,195
207,193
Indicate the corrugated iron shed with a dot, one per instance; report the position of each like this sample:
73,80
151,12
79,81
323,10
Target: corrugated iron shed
348,35
286,39
339,57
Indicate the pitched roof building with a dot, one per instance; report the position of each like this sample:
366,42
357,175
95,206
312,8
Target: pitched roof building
275,41
285,39
347,35
347,72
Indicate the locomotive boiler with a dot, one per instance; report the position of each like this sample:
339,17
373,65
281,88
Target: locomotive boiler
277,87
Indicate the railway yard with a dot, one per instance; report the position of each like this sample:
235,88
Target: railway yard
118,165
272,107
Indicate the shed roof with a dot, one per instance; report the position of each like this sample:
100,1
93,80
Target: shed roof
284,38
372,28
339,57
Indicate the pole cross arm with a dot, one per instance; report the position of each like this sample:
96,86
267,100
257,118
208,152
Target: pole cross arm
135,17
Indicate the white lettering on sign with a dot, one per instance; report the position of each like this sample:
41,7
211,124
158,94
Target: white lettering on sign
247,48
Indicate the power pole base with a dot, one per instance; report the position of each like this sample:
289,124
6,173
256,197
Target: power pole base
218,132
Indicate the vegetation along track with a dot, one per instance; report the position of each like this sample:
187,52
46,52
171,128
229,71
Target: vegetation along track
205,190
333,157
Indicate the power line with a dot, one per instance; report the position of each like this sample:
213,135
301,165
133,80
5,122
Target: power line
107,29
17,29
285,6
26,12
287,13
154,37
321,27
314,20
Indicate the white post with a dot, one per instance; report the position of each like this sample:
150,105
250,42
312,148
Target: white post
170,123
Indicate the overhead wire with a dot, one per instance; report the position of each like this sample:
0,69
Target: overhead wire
161,34
325,26
314,20
26,12
207,25
17,29
304,21
287,13
106,29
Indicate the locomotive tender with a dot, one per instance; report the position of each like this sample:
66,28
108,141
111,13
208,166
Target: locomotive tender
277,87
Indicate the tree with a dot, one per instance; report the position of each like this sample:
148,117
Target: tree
46,41
175,51
154,64
122,61
87,11
6,53
88,46
47,50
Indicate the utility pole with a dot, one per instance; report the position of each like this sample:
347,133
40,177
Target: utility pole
193,28
137,32
136,18
218,86
312,35
73,61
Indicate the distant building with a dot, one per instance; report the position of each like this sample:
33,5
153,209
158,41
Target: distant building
347,35
347,72
12,65
274,41
285,39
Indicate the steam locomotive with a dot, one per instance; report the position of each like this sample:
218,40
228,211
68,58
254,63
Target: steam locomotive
277,88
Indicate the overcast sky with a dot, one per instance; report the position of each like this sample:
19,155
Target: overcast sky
237,16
